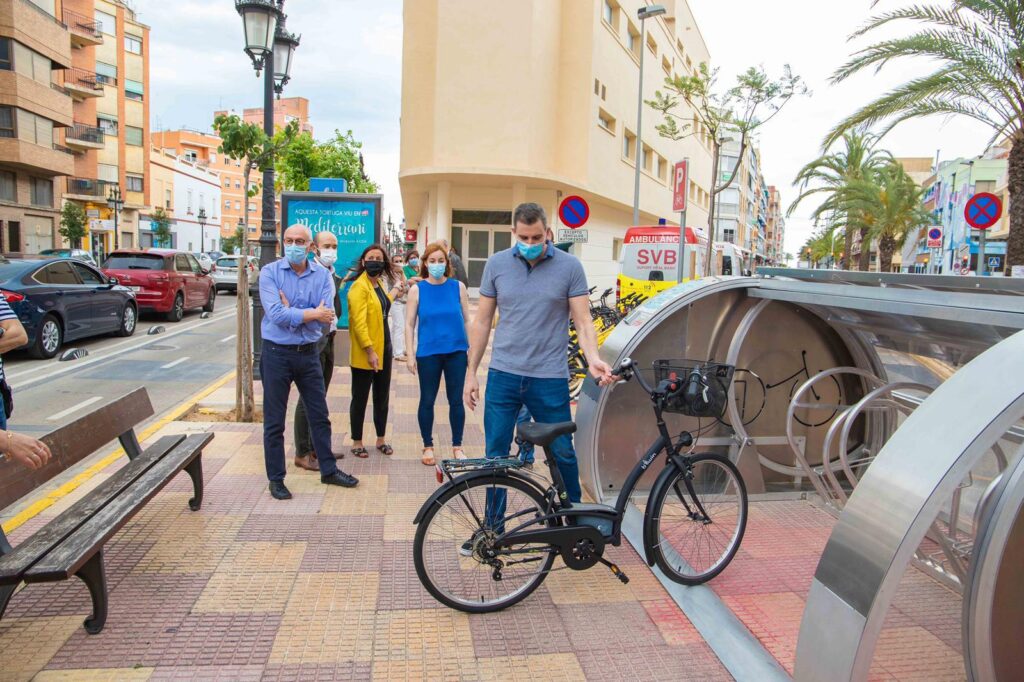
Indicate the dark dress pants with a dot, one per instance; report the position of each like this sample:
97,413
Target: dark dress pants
280,367
303,434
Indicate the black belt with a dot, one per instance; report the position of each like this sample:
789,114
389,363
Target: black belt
298,347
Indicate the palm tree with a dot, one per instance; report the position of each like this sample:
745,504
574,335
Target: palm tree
892,201
830,173
978,45
822,245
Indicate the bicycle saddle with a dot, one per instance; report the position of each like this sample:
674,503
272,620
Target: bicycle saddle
544,434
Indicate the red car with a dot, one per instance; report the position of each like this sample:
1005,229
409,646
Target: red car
164,280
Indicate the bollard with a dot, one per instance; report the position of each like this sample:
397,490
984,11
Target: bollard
205,315
73,354
157,329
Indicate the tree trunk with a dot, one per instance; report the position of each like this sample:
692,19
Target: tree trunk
1015,240
865,250
847,246
244,399
711,211
886,249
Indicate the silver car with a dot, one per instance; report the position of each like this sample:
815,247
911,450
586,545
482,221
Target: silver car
225,276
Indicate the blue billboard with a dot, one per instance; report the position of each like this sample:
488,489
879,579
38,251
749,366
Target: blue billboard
353,218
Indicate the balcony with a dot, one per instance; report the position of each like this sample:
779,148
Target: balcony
87,189
85,31
81,137
82,84
35,159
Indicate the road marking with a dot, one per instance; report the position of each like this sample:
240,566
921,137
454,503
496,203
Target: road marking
23,382
175,363
39,505
74,408
228,338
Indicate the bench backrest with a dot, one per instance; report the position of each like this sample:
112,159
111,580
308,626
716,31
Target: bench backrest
74,442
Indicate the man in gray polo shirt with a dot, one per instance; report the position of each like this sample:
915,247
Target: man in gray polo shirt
535,289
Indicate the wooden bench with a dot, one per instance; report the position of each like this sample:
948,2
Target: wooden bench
71,544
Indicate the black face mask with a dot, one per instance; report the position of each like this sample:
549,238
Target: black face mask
374,267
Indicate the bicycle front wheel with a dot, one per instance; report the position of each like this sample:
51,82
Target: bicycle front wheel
697,518
453,550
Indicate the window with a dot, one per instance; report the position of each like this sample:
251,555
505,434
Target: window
134,183
60,272
133,89
227,204
604,92
108,124
106,73
213,157
252,207
188,206
133,45
629,145
42,192
167,198
7,128
666,66
227,182
597,87
652,45
616,249
238,205
605,120
6,56
633,39
192,262
645,158
88,275
662,168
238,184
134,262
107,22
728,163
608,13
181,263
190,155
202,201
133,136
8,186
106,172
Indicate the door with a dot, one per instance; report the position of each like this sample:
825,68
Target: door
200,280
479,244
72,299
106,302
183,273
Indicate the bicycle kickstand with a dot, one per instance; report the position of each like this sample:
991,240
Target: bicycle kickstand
616,571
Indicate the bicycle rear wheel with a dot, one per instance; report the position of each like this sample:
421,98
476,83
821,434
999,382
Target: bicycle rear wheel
697,518
453,539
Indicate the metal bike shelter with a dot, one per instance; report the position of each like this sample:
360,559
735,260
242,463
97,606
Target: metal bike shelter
947,351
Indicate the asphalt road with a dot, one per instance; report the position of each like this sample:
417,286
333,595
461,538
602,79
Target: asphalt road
173,366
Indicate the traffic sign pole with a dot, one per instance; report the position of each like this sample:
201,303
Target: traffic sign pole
682,215
982,263
982,211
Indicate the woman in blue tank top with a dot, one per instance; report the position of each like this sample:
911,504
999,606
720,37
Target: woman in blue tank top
436,341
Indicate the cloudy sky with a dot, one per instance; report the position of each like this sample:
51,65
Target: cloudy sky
349,66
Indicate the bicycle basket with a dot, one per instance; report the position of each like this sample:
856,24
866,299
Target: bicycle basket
714,391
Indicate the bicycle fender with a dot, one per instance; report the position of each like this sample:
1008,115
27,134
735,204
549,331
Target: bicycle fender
472,476
649,537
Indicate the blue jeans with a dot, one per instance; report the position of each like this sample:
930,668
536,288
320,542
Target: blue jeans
3,416
280,367
548,402
430,368
525,449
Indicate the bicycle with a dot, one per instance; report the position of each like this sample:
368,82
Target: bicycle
829,401
487,538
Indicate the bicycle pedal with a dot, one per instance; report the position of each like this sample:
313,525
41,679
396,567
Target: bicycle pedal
617,572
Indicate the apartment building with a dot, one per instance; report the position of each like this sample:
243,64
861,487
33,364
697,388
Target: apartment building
535,100
775,229
742,209
189,192
200,149
35,48
109,83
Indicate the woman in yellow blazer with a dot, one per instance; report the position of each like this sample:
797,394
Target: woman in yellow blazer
370,351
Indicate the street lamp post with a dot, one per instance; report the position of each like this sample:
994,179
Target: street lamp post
271,48
643,14
116,203
201,218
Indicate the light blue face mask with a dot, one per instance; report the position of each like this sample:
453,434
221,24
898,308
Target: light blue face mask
436,270
530,251
294,253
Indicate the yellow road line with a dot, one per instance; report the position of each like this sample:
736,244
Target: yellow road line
39,505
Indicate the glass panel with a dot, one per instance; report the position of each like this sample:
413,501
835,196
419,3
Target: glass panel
134,262
60,273
88,275
502,241
457,238
134,86
108,22
5,54
8,185
181,263
479,244
475,270
133,136
482,217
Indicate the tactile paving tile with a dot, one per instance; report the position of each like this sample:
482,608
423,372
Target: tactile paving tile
221,673
313,529
245,592
398,573
672,623
200,640
405,476
439,637
530,628
528,668
195,545
592,625
915,654
28,644
367,499
351,671
774,619
358,556
652,663
95,675
400,510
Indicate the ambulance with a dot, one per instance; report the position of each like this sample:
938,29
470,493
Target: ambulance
649,262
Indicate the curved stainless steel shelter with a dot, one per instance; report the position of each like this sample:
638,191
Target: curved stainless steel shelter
869,349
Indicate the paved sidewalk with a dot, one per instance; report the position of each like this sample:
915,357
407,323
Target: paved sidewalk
322,587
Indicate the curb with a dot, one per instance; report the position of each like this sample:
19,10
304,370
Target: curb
53,497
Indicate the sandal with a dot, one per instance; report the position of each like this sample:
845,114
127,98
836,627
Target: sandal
458,452
385,449
361,453
428,460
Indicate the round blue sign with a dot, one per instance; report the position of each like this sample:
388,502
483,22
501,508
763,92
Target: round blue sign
934,233
983,210
574,211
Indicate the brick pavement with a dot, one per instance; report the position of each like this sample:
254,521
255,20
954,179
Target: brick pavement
322,587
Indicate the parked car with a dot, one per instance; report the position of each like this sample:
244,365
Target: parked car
77,254
60,300
205,261
226,274
215,255
164,280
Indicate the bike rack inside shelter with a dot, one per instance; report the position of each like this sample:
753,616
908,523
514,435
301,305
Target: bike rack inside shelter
930,377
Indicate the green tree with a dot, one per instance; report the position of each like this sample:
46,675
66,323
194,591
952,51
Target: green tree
161,223
233,243
823,245
248,143
977,47
829,175
721,116
893,202
72,223
338,157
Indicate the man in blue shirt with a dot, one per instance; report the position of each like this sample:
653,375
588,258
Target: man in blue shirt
297,296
